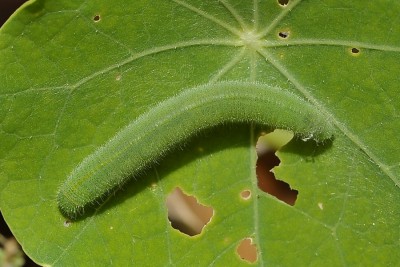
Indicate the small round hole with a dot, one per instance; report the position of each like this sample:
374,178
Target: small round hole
283,35
283,2
245,194
96,18
355,50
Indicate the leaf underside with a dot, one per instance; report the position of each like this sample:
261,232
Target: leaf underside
74,73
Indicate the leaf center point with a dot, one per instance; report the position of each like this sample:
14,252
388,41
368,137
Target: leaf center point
251,40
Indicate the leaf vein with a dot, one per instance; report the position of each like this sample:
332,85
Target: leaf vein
208,16
353,138
279,18
235,14
329,42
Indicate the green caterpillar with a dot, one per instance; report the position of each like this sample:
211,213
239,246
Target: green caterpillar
145,140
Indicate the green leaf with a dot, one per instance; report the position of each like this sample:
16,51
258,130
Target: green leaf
73,73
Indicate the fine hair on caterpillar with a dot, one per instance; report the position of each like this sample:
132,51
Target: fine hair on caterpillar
146,139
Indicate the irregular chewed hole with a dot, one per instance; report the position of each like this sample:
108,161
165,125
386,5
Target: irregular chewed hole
266,179
245,194
96,18
247,250
355,50
283,35
186,214
283,2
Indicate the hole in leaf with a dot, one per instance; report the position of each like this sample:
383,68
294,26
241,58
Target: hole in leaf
247,250
67,223
186,214
283,2
96,18
355,50
266,179
283,35
245,194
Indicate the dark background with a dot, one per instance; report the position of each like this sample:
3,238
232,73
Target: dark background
7,7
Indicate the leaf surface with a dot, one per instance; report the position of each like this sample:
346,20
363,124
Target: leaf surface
74,73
